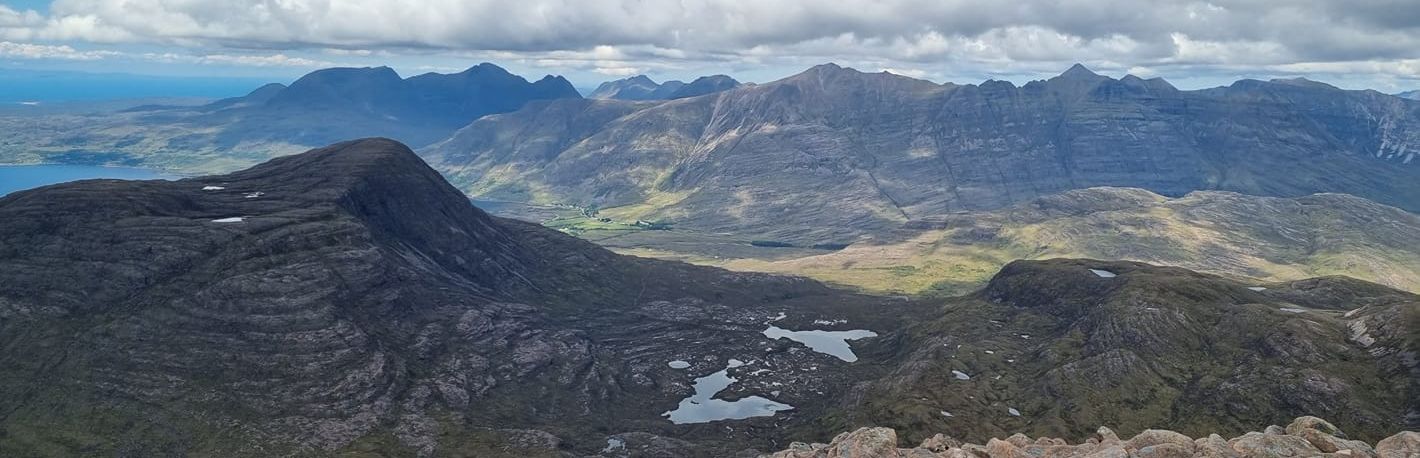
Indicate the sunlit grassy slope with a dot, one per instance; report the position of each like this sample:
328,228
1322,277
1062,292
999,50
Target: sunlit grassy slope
1261,238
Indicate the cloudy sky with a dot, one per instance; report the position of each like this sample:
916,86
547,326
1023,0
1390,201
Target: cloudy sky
1350,43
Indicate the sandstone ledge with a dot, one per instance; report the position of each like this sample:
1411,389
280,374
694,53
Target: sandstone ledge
1304,437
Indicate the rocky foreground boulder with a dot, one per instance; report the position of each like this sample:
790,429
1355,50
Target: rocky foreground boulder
1304,437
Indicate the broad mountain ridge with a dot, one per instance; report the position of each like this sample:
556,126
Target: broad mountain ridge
891,149
349,300
641,87
425,107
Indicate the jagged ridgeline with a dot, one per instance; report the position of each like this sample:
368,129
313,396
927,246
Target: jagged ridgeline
350,301
833,153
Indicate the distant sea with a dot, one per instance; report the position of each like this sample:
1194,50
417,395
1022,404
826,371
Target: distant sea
20,177
31,86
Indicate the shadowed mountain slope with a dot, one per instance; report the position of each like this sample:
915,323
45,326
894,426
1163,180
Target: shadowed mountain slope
335,299
349,301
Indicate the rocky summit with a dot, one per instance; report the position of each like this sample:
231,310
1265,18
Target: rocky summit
1304,437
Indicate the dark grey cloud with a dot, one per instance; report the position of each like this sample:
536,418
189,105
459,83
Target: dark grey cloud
620,36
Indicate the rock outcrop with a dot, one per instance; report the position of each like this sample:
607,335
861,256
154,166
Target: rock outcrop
1304,437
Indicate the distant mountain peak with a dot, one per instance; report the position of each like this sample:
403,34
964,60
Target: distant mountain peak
642,87
705,85
336,72
1303,81
828,68
487,67
1154,83
1079,71
552,78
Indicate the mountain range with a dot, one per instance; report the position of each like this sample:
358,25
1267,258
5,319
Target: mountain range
349,300
641,87
889,149
319,108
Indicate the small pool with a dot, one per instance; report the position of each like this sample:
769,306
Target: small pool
827,342
701,407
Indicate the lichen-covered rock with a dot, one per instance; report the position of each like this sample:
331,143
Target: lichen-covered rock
1403,445
1105,435
1304,437
1020,440
1165,451
864,443
1260,445
1313,423
1331,444
997,448
1213,446
939,443
1152,437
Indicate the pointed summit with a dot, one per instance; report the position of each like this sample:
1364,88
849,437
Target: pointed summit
1078,71
642,79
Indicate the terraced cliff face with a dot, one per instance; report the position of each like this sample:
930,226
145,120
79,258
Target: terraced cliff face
349,299
760,160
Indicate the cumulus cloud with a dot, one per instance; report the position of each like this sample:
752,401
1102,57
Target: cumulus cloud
35,51
620,36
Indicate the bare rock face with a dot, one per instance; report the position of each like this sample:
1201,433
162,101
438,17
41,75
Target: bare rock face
1406,444
864,443
1299,440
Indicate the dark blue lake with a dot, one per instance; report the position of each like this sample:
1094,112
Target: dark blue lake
20,177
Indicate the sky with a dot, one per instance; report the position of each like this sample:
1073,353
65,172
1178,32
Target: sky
1355,44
